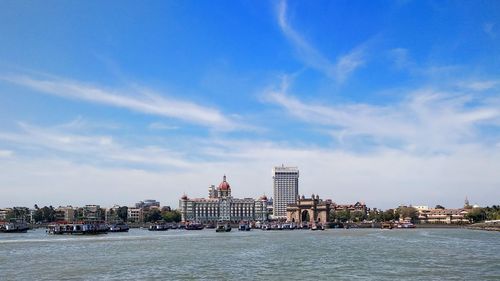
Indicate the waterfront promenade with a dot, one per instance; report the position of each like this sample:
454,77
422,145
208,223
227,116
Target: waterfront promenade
334,254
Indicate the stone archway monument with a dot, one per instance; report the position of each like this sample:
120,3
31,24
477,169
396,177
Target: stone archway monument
308,210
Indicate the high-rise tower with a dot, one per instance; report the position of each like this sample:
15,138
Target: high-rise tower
285,187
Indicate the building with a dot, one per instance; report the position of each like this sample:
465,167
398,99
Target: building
148,203
92,212
135,214
285,188
443,216
67,213
221,206
356,207
309,210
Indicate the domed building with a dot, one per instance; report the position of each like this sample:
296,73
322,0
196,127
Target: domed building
221,206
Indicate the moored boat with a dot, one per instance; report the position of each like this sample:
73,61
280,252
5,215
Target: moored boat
244,227
158,226
81,227
223,227
194,226
14,226
119,227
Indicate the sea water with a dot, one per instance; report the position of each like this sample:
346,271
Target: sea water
333,254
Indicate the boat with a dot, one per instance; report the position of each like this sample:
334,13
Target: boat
80,227
223,227
244,227
386,225
406,225
119,227
158,226
14,226
194,226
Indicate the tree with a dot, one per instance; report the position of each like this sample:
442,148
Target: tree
171,216
344,215
358,216
388,215
374,216
476,215
122,213
408,212
153,215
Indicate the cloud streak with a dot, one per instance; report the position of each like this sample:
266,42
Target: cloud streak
339,71
427,119
140,100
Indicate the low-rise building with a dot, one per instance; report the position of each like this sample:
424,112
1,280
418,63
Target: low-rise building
135,214
443,216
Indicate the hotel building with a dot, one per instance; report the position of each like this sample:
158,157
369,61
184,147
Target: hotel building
285,188
221,206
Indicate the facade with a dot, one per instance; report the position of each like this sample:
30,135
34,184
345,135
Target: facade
135,214
443,216
67,214
309,210
92,212
221,206
285,188
356,207
147,204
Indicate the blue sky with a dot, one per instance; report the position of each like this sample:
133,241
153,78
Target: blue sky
386,102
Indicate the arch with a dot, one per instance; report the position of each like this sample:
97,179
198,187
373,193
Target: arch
293,219
305,217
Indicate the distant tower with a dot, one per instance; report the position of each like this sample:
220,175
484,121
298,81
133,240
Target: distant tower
285,187
466,202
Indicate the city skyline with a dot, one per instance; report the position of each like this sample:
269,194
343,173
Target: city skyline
386,103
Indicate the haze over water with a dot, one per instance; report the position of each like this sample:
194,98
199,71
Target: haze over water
355,254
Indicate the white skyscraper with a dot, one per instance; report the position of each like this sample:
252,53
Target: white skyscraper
285,187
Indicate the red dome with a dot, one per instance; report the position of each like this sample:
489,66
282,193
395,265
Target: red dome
224,185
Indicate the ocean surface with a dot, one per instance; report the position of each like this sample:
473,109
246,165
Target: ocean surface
333,254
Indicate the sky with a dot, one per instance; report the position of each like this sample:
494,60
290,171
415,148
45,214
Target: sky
382,102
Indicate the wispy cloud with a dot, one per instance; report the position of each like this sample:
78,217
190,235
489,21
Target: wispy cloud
6,153
428,119
489,29
90,148
340,70
139,100
161,126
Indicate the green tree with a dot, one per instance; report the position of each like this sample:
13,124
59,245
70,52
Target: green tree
358,216
408,212
122,213
476,215
388,215
374,216
153,215
343,215
171,216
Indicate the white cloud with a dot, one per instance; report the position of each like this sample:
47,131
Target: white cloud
345,65
161,126
5,153
489,29
428,120
140,100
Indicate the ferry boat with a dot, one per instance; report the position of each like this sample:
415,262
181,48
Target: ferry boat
14,226
194,226
83,227
119,227
223,227
158,227
244,227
